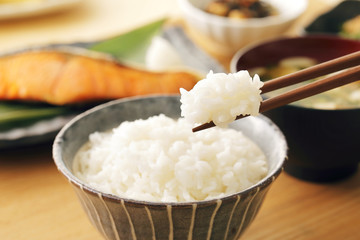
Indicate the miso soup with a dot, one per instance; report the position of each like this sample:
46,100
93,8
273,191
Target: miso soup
344,97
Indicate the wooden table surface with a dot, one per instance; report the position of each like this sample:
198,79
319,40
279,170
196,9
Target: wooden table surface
36,202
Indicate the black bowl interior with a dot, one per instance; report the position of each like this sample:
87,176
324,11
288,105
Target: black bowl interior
332,21
319,47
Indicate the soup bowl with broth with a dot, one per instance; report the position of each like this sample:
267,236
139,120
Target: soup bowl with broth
168,190
323,131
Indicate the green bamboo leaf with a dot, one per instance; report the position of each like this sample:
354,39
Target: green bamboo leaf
22,114
34,113
131,46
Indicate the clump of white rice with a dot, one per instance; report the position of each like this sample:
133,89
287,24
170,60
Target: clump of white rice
161,159
162,56
221,97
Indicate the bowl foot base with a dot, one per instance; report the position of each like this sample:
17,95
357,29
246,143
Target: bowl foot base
321,175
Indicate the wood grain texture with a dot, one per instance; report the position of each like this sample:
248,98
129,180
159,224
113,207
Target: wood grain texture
38,203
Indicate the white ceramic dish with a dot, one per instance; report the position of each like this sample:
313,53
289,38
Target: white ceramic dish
237,33
33,8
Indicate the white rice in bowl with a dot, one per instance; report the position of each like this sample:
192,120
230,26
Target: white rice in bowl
221,98
161,159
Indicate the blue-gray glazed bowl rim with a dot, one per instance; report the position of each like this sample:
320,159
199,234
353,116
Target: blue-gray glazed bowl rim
57,157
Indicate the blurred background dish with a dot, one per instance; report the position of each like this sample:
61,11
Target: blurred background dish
236,33
26,8
323,143
27,132
34,132
343,19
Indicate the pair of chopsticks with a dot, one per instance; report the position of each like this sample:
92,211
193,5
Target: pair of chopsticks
352,74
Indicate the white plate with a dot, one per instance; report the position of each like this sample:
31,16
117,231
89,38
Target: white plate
28,8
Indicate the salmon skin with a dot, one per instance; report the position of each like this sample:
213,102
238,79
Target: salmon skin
60,78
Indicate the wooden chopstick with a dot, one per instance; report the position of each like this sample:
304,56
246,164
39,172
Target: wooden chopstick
328,83
323,85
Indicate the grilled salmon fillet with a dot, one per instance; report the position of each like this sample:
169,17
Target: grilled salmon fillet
61,78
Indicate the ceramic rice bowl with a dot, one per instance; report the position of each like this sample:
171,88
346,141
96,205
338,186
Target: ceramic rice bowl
121,218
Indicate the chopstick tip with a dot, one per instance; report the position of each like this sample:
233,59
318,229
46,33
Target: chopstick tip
203,126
